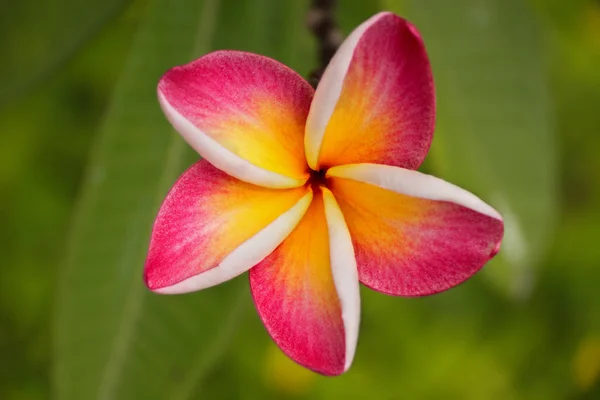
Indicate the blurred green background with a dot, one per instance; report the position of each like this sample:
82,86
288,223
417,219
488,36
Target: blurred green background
86,157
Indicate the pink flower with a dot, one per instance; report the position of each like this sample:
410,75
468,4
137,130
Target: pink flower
313,192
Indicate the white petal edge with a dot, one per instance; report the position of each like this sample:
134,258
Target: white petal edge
329,91
345,273
246,255
412,183
222,158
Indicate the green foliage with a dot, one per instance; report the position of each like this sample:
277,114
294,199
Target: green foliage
110,331
498,121
495,130
37,36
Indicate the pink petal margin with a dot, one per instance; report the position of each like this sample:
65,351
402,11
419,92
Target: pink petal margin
413,234
376,100
213,227
244,113
307,294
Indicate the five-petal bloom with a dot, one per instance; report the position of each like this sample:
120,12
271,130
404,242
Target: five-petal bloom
313,192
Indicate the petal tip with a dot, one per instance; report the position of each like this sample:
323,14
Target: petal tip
413,29
388,14
150,283
347,366
384,14
167,79
329,371
495,250
152,280
159,286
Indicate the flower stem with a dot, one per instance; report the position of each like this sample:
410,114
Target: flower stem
321,22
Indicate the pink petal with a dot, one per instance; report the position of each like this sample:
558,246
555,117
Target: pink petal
307,293
413,234
213,227
242,112
376,101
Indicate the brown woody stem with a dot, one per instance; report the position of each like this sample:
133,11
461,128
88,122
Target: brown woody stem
321,22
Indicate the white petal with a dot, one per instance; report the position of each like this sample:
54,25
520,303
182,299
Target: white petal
412,183
222,158
329,91
248,254
345,273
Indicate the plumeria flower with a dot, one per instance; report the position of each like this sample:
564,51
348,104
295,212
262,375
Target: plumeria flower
313,192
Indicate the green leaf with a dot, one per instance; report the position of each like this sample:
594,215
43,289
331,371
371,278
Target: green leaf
269,27
37,36
495,134
351,13
114,339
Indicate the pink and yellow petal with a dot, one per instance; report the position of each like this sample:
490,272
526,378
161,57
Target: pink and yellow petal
306,291
413,234
213,227
376,101
244,113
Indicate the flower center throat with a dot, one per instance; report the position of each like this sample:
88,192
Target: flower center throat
317,179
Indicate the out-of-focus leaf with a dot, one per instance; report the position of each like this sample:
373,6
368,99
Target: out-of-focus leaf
495,133
114,339
351,13
36,36
272,28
